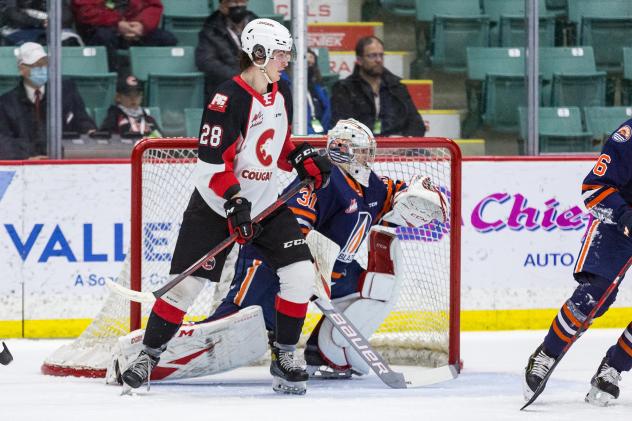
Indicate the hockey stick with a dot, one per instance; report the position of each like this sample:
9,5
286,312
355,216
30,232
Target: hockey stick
580,331
5,355
361,345
148,297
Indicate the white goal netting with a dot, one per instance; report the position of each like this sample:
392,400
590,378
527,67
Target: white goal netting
421,330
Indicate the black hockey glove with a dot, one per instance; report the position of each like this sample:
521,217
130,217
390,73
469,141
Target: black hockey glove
238,216
625,223
308,163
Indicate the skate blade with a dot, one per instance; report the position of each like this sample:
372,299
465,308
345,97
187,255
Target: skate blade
598,397
527,393
327,373
127,390
288,388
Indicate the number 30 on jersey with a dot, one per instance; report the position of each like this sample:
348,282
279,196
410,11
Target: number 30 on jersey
211,136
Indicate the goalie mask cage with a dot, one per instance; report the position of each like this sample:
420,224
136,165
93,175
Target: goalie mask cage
423,327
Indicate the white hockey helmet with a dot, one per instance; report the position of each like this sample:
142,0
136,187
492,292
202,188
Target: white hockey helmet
261,37
351,146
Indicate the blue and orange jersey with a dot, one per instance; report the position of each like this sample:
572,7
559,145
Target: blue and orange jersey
607,189
344,210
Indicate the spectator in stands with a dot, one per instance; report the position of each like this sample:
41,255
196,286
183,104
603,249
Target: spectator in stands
23,109
375,96
26,21
121,24
127,117
219,42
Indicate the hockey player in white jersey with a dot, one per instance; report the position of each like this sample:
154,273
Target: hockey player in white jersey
244,140
346,212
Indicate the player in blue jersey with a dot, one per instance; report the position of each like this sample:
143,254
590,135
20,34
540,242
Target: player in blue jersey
605,252
344,211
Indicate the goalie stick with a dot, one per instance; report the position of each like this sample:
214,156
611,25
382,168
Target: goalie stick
148,297
5,355
580,331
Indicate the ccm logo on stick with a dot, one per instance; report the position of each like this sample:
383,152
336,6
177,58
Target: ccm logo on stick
293,243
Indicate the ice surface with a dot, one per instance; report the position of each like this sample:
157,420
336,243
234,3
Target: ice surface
489,388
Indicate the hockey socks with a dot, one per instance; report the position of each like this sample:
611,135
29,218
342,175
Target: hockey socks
289,320
574,311
164,321
620,355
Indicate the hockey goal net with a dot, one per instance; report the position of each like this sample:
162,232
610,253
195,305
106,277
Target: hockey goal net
423,328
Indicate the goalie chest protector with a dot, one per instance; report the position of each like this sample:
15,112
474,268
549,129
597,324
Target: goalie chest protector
344,211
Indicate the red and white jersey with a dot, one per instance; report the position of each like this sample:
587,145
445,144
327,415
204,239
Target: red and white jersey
244,140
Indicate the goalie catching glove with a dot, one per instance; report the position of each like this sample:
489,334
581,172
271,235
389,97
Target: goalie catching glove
308,163
420,203
238,216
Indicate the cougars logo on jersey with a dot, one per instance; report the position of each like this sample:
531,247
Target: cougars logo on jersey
262,147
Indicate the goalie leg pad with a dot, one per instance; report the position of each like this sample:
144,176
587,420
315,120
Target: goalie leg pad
201,349
378,295
182,295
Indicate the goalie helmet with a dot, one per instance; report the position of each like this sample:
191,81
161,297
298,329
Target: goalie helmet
261,37
351,146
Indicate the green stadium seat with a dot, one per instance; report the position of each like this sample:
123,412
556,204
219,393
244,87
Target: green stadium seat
607,36
627,76
329,77
602,121
399,7
451,35
175,85
513,31
185,18
571,77
502,96
88,68
598,8
480,63
428,9
100,113
557,6
9,74
193,117
560,130
515,16
265,9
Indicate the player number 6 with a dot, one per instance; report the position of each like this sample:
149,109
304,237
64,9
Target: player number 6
601,166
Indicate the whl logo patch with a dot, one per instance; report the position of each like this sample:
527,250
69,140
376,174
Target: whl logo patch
5,180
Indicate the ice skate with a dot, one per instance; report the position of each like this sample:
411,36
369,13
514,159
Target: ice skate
288,375
318,368
139,370
537,367
605,385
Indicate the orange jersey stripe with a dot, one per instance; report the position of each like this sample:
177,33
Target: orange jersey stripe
353,184
571,316
586,246
246,284
586,187
305,214
601,197
387,201
559,333
625,347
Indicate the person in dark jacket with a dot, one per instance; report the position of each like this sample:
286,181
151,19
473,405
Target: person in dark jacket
217,52
23,109
375,96
121,23
127,117
26,21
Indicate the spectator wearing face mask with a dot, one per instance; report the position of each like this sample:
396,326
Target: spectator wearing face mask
219,42
23,109
127,117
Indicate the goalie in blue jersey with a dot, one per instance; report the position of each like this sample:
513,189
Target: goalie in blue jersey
356,204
